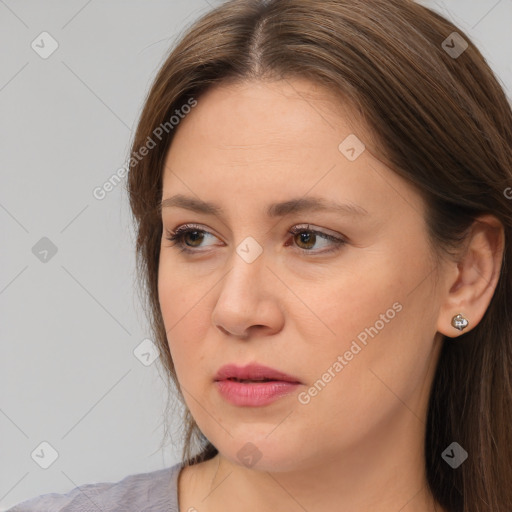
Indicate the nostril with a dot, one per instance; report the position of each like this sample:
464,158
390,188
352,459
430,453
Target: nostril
231,333
222,329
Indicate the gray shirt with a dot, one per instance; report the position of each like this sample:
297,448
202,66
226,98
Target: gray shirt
156,491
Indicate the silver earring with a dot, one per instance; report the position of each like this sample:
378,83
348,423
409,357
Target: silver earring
460,322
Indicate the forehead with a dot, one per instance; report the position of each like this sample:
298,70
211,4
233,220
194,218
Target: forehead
251,144
253,111
258,126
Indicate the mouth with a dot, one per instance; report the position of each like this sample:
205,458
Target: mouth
234,379
254,385
253,373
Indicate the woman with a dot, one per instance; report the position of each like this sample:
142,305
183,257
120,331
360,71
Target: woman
322,193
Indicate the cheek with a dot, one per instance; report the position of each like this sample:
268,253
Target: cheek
348,300
183,305
182,293
357,318
377,309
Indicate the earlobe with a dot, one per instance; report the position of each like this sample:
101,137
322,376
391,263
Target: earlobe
477,273
460,322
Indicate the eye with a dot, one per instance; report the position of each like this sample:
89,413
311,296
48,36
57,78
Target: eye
305,237
180,235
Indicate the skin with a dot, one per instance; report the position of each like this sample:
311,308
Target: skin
358,443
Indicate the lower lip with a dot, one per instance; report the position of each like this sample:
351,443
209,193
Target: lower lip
254,394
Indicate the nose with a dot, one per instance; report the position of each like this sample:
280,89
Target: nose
248,303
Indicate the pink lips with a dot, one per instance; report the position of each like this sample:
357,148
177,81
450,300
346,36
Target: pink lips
253,385
252,372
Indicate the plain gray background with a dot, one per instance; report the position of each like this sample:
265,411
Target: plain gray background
70,324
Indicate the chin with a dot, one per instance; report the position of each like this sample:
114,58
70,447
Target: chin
264,455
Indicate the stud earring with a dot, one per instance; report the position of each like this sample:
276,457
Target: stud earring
460,322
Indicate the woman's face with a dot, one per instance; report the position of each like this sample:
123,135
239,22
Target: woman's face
352,319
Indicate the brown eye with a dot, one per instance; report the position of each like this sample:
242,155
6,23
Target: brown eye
187,238
194,236
307,238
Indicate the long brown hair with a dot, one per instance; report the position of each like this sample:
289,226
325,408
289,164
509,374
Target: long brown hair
442,122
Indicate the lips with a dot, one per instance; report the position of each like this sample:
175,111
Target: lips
253,373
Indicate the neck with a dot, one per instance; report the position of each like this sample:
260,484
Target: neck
374,475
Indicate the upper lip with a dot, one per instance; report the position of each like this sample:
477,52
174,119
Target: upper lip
252,371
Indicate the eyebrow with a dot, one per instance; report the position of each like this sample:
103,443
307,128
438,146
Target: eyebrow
282,209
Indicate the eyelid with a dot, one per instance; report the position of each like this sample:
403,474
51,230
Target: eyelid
296,228
183,228
336,240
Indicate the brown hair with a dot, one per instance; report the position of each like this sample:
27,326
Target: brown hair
442,122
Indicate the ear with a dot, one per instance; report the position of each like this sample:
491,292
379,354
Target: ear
473,276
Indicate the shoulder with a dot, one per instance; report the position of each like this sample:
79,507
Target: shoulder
143,492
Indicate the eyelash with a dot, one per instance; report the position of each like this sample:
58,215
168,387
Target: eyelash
178,235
